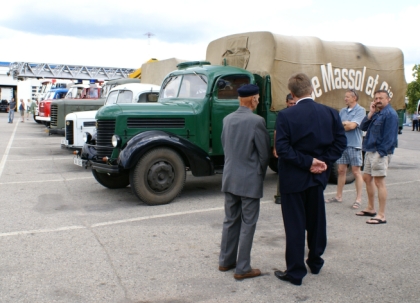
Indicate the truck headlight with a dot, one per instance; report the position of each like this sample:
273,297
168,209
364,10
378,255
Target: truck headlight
87,137
116,140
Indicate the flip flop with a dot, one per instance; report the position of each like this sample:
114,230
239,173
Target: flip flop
376,221
333,199
363,213
356,205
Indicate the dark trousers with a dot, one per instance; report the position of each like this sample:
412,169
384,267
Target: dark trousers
241,216
304,211
415,124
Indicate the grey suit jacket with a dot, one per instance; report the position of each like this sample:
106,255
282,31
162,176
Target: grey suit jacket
246,145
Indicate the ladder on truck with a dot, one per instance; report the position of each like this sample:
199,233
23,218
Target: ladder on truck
24,70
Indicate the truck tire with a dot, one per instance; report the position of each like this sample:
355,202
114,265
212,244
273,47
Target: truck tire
334,174
158,177
273,164
112,181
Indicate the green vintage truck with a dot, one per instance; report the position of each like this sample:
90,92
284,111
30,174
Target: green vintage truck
152,146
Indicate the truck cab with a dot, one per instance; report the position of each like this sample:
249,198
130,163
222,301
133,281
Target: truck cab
151,146
80,97
81,126
44,107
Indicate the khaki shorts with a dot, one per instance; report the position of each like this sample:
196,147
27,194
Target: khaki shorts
375,165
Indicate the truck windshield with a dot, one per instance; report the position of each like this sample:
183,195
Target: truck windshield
170,87
119,96
192,86
112,98
74,93
50,95
125,96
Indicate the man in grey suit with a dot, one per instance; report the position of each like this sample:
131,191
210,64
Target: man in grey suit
246,145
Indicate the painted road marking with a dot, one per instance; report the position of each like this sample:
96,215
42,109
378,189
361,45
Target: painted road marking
6,153
108,223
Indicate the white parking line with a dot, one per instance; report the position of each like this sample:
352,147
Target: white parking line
37,231
66,228
42,181
6,153
40,159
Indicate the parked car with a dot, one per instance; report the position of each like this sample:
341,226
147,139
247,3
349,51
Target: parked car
4,106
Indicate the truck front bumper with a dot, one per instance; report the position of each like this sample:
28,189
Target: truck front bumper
105,168
57,131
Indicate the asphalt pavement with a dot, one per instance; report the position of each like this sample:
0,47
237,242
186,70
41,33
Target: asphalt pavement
65,238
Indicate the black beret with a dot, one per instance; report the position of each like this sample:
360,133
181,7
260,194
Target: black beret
248,90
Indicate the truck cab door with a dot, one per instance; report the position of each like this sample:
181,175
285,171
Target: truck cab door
225,101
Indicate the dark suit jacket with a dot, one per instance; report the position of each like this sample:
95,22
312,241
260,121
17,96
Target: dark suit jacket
303,132
246,145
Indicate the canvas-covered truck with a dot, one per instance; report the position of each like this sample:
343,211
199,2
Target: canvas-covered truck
151,146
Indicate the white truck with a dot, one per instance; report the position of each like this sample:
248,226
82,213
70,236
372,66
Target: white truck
81,126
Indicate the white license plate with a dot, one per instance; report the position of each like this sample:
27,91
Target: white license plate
64,142
78,162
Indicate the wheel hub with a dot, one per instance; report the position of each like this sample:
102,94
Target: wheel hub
160,176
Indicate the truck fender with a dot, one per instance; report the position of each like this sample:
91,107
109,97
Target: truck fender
197,159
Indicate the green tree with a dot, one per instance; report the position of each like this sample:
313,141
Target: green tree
413,90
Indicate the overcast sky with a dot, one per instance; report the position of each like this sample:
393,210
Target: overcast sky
114,33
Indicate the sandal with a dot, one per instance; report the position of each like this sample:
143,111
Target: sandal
333,199
356,205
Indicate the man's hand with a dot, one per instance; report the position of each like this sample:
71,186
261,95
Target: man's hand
275,152
318,166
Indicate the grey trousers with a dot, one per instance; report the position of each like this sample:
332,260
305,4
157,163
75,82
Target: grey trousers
241,216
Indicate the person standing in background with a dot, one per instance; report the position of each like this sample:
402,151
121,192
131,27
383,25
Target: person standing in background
12,108
289,103
22,110
381,126
351,117
415,118
28,108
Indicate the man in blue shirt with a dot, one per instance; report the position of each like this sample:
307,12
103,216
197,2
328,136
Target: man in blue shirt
351,117
381,126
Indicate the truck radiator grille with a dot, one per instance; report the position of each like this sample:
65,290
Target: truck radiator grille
104,133
155,123
54,110
89,123
69,131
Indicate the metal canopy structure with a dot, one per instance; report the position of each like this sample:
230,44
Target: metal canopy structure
24,70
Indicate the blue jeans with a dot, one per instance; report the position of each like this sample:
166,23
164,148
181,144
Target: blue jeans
11,115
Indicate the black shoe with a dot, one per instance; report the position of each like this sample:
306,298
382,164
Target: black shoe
282,275
277,199
315,272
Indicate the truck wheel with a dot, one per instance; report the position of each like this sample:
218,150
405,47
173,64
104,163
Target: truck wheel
273,164
112,181
158,177
334,174
37,121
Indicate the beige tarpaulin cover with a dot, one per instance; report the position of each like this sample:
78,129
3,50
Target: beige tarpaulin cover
332,66
155,72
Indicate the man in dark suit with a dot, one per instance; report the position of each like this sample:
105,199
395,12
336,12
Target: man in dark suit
246,145
310,138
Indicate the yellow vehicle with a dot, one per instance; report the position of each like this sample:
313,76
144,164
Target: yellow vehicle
137,72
